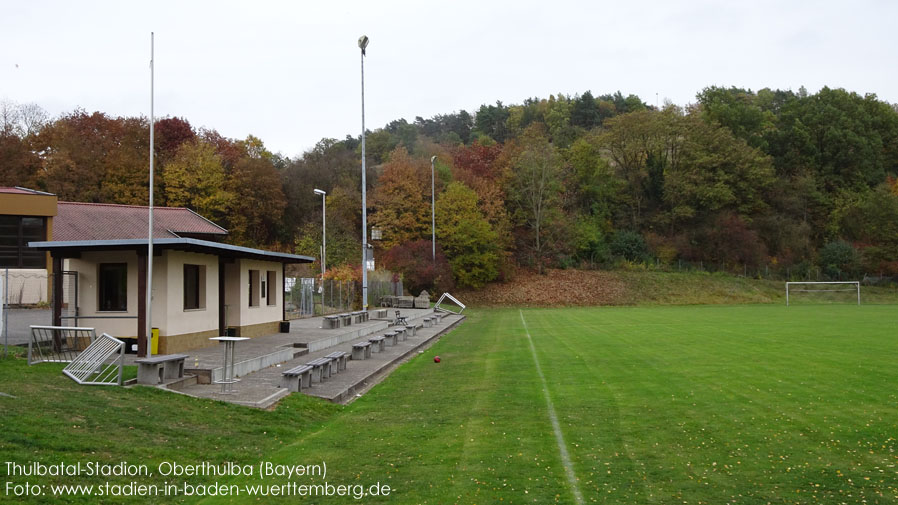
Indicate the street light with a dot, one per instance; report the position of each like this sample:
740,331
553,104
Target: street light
363,43
433,219
323,229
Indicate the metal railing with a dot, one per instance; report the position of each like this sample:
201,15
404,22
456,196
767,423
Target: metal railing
100,364
58,344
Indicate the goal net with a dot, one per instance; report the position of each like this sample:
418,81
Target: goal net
823,292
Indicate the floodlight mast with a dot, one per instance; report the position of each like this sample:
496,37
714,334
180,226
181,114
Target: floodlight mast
433,219
363,43
323,229
149,306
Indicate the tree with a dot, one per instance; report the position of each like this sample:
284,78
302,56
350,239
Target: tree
419,270
127,176
195,178
401,200
738,110
491,121
640,145
585,112
80,150
714,171
466,237
535,187
18,164
257,206
170,134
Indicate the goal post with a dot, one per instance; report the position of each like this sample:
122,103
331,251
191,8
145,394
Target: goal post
823,287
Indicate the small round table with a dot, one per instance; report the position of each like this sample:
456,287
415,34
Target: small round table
227,381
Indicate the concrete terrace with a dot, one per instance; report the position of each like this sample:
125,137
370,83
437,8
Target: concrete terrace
260,361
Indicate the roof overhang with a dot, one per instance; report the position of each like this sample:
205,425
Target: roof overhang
76,247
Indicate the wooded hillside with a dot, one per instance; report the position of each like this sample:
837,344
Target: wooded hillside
780,180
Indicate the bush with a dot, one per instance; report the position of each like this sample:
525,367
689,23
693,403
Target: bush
629,245
839,260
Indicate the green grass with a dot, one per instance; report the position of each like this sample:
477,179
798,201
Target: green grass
723,404
653,288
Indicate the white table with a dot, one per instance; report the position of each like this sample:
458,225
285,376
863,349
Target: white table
227,381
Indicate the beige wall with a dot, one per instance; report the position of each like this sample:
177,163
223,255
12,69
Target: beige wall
263,313
181,321
88,293
237,277
181,329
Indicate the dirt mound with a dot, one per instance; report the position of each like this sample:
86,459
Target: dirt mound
554,288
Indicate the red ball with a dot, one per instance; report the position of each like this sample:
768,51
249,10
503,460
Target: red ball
436,359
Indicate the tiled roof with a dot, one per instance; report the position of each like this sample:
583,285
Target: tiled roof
100,221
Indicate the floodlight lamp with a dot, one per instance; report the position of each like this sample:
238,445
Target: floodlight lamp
320,192
363,43
433,158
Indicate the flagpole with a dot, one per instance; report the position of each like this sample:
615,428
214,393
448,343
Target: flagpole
149,321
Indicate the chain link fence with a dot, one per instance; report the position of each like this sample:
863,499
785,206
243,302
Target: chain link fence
308,297
797,272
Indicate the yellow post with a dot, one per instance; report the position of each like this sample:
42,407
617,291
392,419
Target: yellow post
154,341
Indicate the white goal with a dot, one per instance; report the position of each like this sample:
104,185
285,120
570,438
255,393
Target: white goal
826,288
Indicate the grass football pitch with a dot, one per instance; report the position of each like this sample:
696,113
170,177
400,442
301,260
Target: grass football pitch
709,404
744,404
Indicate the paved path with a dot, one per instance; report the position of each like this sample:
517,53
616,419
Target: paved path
262,388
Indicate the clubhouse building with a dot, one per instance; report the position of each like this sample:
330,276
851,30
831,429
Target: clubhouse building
201,287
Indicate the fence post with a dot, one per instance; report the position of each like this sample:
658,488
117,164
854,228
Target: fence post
5,308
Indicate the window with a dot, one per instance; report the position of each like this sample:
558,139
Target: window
194,287
253,288
272,287
15,233
113,287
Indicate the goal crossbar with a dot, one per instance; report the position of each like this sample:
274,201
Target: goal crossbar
856,284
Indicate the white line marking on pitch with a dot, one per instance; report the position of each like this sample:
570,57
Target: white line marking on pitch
559,438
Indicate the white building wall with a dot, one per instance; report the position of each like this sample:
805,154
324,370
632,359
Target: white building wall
180,320
263,313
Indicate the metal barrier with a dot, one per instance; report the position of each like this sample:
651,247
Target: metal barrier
453,299
99,364
58,344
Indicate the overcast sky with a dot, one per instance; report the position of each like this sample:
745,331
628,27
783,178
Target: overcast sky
289,72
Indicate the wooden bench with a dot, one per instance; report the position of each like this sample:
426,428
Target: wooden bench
390,338
362,350
438,317
346,319
155,369
377,344
297,378
339,358
428,322
331,322
400,334
321,369
411,330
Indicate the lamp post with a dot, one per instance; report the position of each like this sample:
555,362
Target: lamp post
433,214
323,229
363,43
